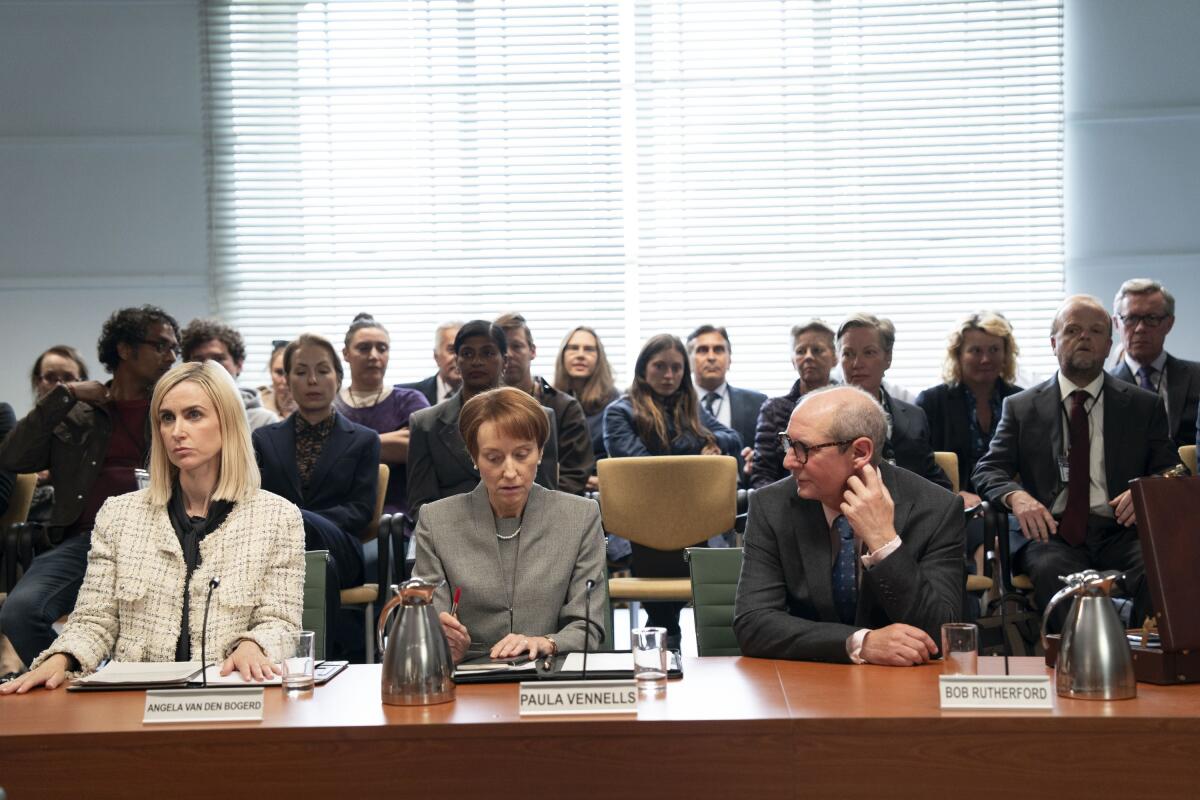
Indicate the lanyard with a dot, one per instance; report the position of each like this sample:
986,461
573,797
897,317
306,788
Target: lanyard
1087,410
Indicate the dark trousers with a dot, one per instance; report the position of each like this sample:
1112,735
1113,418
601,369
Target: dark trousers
1106,546
46,591
345,550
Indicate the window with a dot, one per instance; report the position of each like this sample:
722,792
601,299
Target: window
640,166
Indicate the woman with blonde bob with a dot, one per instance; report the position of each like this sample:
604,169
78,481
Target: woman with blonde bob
155,551
520,555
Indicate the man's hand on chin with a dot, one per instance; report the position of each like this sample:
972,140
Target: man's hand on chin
898,645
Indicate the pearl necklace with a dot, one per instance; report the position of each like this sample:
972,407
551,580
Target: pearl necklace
512,535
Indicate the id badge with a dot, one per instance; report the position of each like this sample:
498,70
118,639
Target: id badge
1064,469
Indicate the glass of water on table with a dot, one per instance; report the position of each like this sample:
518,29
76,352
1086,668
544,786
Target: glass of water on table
650,659
296,665
960,648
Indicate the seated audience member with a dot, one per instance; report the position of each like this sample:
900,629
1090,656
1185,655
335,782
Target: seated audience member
662,416
59,364
582,371
204,488
963,412
814,357
321,461
368,402
865,345
1076,441
521,554
1145,313
439,464
575,459
277,398
91,437
712,355
445,382
209,340
853,560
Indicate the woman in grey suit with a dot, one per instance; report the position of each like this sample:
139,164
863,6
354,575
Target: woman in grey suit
519,556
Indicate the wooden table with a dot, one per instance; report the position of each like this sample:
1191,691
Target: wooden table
731,727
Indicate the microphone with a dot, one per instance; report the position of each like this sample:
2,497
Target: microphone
212,584
587,622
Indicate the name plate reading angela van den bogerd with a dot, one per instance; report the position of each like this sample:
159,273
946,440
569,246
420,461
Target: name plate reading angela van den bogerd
996,691
204,705
579,697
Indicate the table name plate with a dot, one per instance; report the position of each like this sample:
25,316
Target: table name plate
203,705
579,697
996,691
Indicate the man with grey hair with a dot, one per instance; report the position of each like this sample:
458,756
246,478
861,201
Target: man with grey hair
1076,441
849,559
445,382
1144,312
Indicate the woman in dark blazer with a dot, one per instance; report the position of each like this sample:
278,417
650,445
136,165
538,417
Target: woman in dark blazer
321,461
520,555
439,464
964,410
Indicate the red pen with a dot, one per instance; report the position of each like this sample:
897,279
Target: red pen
454,605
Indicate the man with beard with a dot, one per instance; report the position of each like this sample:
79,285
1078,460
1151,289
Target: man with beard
1076,441
91,436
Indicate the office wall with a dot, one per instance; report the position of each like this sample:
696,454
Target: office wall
102,183
1133,160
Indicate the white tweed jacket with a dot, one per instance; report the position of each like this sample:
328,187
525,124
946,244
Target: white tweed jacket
130,606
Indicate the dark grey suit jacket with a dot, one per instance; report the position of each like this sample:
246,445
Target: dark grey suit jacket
910,444
743,418
427,387
1183,396
561,547
439,464
784,606
1029,440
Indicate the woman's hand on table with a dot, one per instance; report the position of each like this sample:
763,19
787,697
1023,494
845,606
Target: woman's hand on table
516,645
51,673
249,659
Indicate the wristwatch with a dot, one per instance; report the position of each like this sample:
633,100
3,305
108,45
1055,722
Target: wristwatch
553,645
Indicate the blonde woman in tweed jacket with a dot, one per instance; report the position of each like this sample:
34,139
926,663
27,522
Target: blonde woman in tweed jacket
154,551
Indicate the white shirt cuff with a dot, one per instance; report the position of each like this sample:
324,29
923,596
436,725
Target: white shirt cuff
871,559
854,645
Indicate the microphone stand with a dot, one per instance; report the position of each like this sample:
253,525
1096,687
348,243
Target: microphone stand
587,623
212,584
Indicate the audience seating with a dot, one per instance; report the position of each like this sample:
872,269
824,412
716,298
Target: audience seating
16,538
715,575
665,503
315,586
1187,454
367,595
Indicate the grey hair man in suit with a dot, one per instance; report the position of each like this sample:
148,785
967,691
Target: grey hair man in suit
445,382
849,559
711,354
1144,312
1076,441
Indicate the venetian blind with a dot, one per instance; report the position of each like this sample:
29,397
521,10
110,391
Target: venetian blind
639,166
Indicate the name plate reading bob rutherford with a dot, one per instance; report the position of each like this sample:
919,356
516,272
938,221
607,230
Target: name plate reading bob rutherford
996,691
203,705
579,697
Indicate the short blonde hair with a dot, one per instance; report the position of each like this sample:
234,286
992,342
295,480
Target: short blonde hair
239,477
992,323
514,412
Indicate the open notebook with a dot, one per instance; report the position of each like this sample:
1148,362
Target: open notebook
179,675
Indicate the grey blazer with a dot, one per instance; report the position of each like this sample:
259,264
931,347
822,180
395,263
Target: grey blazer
561,546
439,464
1183,395
784,604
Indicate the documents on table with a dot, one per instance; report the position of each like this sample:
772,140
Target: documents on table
599,662
142,673
495,667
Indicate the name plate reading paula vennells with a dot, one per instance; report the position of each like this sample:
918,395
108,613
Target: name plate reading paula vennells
579,697
204,705
996,691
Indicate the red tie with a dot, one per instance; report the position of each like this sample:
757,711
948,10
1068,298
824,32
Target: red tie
1073,528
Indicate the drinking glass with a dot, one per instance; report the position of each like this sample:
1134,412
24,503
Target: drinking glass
650,659
960,648
297,667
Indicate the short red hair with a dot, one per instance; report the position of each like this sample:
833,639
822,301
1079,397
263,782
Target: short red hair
515,413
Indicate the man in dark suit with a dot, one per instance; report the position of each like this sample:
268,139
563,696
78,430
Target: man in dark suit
865,345
445,382
850,559
711,354
575,454
1076,441
1144,313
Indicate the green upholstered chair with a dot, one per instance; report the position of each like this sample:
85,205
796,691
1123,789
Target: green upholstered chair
315,586
715,574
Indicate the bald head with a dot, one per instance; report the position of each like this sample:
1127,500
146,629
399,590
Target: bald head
845,413
1081,338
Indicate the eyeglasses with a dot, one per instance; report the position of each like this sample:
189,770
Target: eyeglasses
802,451
1151,320
162,348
